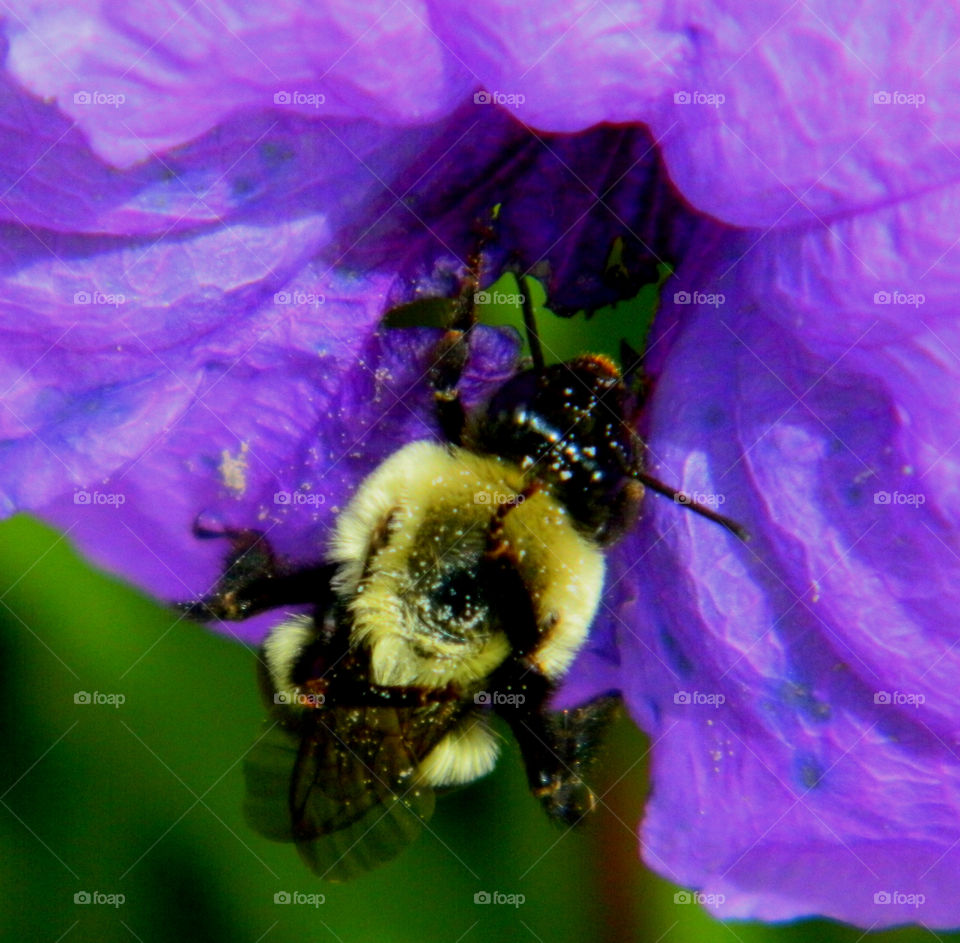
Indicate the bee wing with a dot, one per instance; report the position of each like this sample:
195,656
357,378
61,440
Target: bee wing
343,786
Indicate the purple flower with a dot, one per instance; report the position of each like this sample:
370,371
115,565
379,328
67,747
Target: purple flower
206,217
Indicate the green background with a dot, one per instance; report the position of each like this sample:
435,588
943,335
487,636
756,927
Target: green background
144,800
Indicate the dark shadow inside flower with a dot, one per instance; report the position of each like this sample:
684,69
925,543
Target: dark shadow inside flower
565,200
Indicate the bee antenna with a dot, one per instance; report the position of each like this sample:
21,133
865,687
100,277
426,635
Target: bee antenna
685,501
633,373
530,326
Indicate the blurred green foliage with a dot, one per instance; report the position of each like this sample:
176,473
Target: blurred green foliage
143,799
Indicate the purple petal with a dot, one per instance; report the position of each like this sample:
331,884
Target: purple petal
799,689
139,91
767,117
160,365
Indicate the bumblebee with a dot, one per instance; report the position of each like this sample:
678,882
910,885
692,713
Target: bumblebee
460,583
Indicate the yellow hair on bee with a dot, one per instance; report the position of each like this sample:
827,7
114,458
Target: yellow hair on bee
424,516
468,752
281,649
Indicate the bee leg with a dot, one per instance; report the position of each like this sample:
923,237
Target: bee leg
254,580
452,352
561,760
558,747
451,358
625,510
